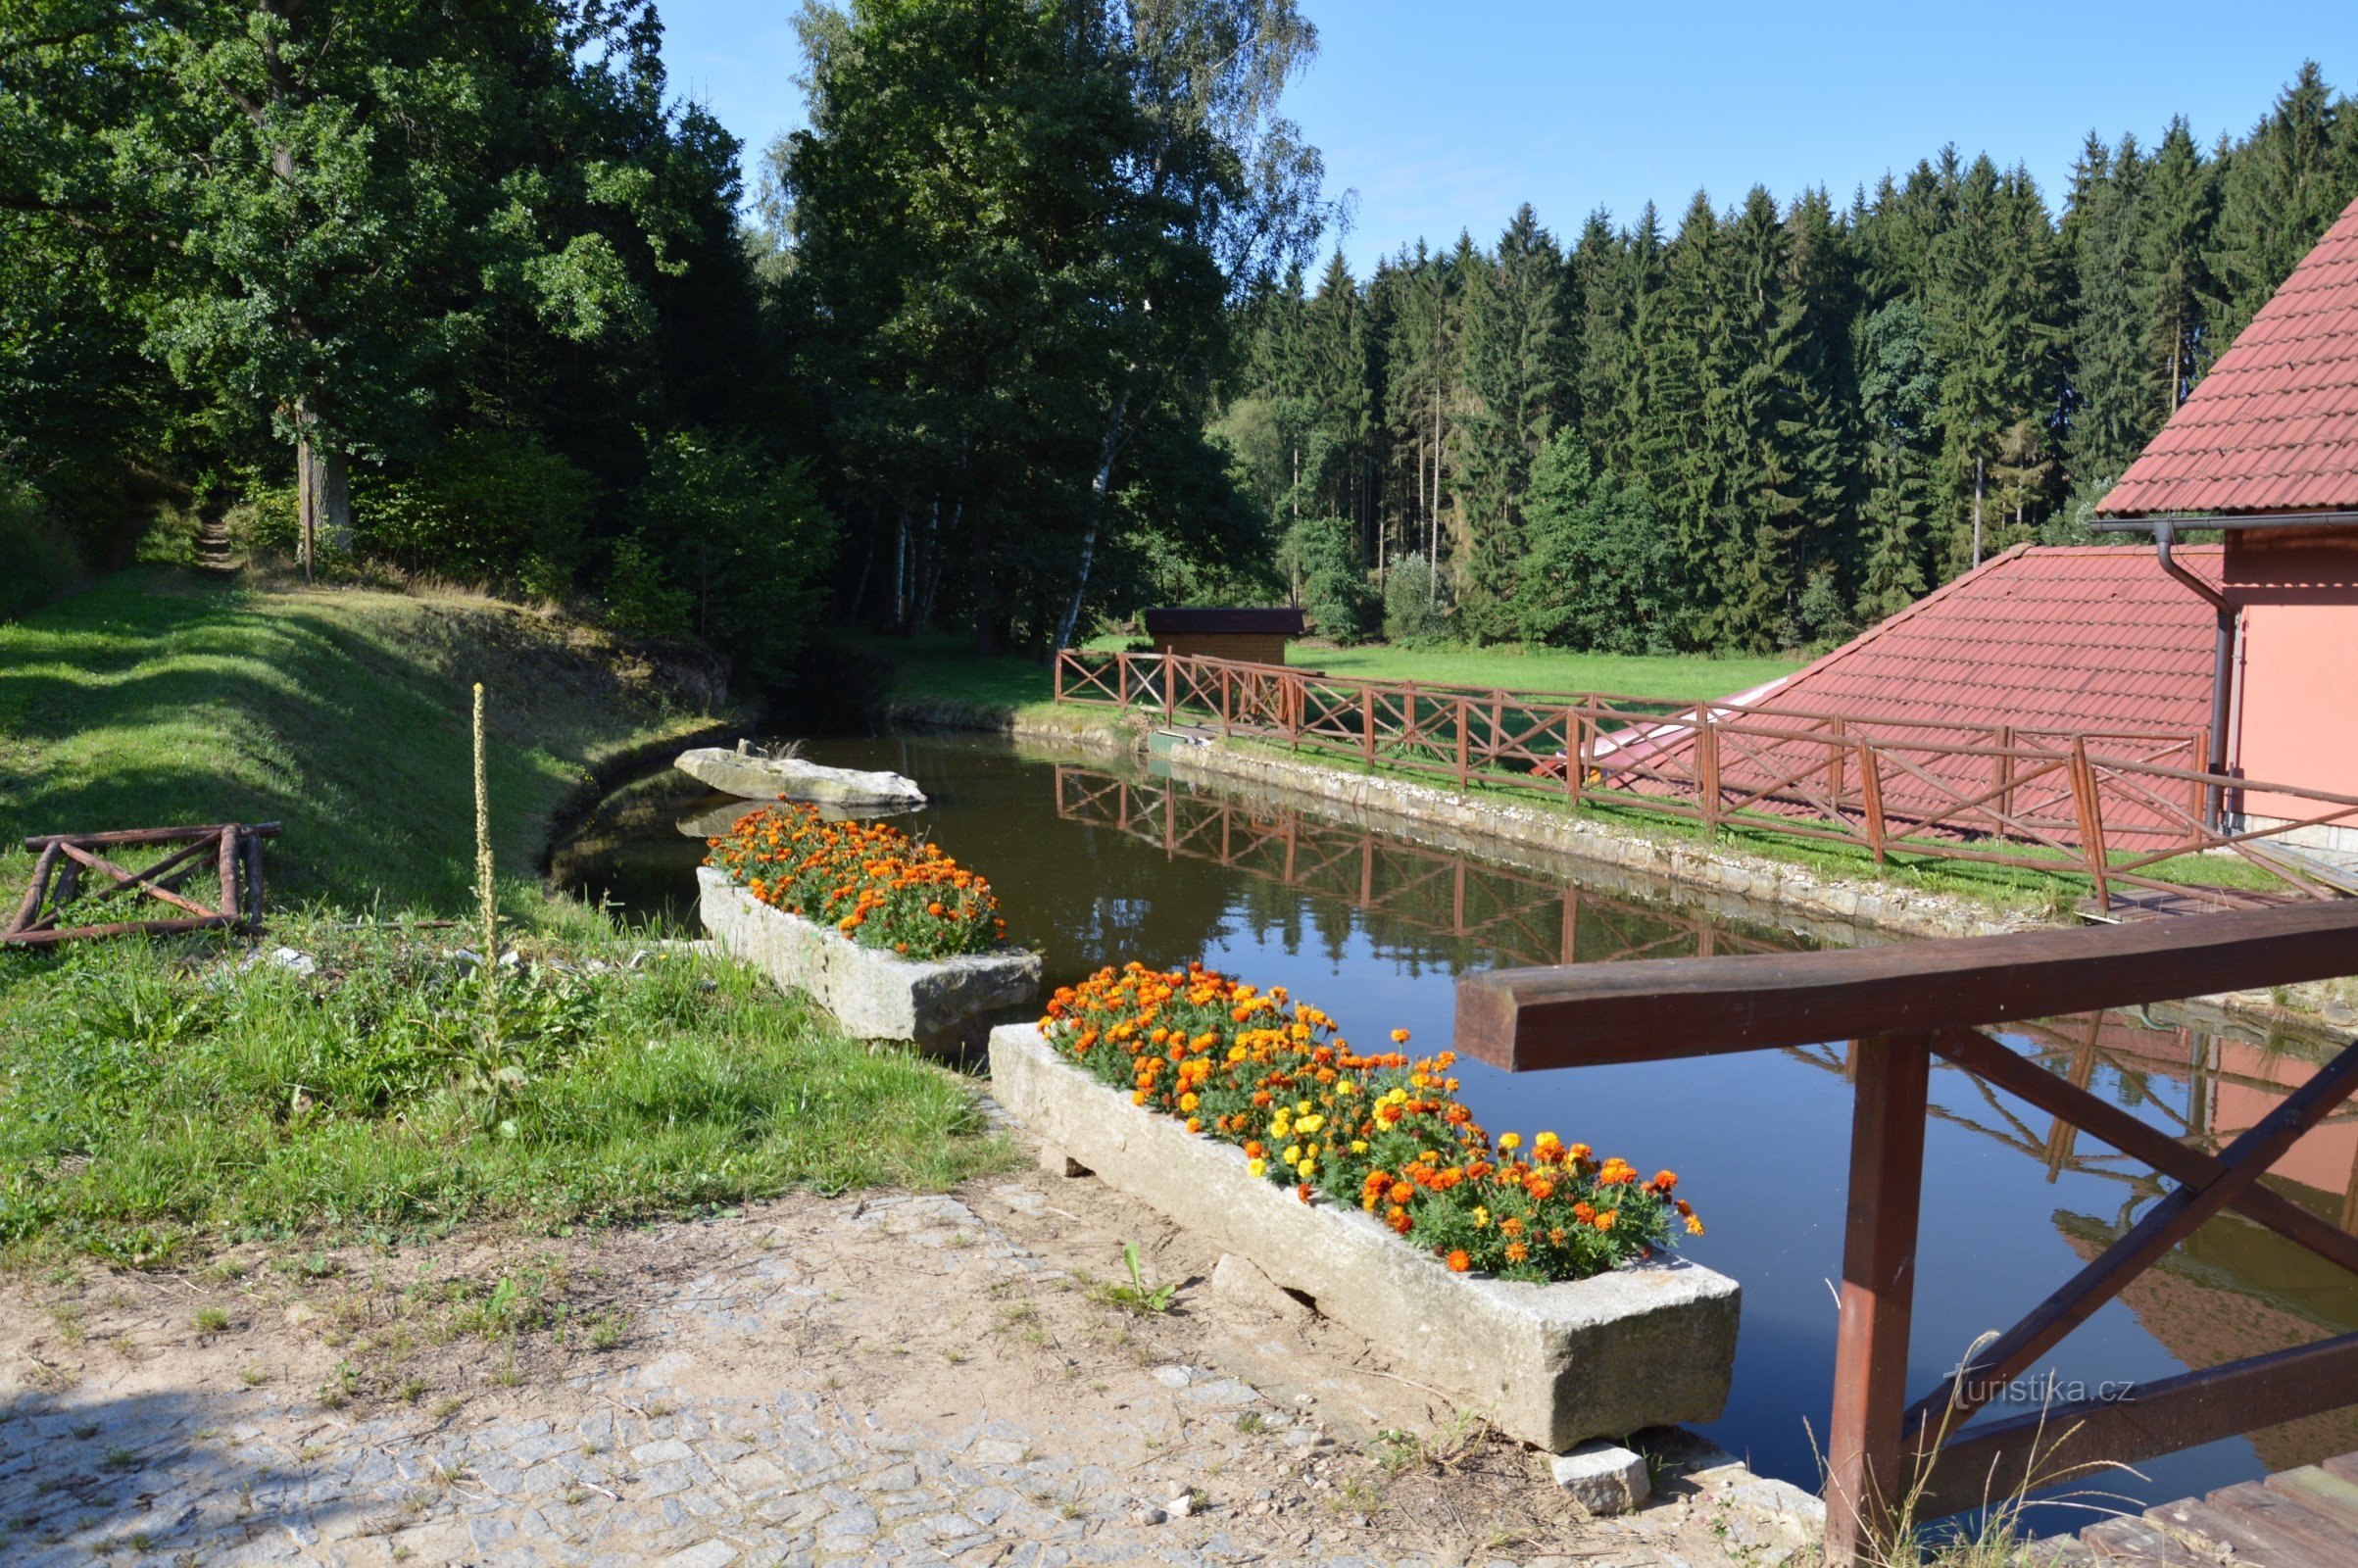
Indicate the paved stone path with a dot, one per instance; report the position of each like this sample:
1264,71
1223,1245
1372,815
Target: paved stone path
889,1380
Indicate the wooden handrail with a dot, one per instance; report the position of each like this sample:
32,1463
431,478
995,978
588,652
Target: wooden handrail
1902,1006
2104,804
1592,1015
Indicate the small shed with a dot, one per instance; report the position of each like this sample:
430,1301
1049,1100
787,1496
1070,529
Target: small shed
1248,636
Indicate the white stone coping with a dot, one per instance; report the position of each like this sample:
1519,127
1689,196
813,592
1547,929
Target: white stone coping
1556,1365
875,994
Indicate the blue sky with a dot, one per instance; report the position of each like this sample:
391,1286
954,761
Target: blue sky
1445,116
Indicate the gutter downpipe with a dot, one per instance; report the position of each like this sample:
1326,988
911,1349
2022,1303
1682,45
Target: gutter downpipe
2223,665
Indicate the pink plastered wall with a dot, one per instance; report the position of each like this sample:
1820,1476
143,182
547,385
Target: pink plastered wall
2298,591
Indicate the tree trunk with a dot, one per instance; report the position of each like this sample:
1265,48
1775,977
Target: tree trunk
1109,448
323,500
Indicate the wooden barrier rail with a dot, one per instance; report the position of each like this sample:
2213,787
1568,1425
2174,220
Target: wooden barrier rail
1903,1006
2108,804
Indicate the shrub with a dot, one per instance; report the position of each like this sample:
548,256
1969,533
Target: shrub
870,881
37,557
1415,610
1383,1132
491,507
743,539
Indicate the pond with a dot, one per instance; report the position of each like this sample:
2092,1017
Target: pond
1097,863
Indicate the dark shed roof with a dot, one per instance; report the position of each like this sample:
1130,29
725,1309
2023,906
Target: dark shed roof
1283,621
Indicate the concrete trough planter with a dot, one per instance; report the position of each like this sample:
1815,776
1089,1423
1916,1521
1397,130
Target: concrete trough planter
1554,1366
873,994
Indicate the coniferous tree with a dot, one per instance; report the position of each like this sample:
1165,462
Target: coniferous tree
1515,374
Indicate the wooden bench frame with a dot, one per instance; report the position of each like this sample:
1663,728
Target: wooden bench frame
231,850
1903,1004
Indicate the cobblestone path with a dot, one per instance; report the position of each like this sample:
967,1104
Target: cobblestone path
895,1379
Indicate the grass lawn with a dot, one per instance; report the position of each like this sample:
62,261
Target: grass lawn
160,1095
1680,678
941,669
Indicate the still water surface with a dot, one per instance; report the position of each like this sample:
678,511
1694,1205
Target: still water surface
1096,864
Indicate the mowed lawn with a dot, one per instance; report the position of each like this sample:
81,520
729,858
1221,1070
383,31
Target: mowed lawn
1679,677
947,670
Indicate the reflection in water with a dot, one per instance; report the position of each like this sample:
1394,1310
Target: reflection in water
1097,864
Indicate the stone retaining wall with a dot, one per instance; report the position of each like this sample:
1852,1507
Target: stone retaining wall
875,995
1554,1366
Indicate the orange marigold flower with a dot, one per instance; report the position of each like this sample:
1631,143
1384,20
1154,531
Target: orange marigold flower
1516,1251
1459,1262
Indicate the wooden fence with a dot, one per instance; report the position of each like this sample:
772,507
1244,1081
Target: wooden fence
1903,1006
2110,803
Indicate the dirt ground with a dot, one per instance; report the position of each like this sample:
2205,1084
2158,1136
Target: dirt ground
864,1378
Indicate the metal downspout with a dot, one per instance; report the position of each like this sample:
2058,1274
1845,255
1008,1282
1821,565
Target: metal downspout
2223,670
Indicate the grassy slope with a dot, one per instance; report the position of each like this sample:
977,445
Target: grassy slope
157,1098
154,699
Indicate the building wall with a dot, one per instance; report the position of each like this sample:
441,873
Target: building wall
2297,592
1253,648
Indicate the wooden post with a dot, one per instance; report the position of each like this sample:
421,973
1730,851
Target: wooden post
1224,676
1170,687
1706,769
1367,725
1864,1461
2004,740
1462,743
1870,790
2092,823
1062,656
1836,755
229,872
1576,729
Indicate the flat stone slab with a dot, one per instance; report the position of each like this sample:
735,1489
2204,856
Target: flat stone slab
771,778
873,994
1556,1365
1604,1477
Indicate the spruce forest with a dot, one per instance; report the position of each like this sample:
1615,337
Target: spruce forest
1038,323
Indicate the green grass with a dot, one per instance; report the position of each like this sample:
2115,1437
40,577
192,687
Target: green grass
162,1096
936,668
1681,678
159,1099
154,699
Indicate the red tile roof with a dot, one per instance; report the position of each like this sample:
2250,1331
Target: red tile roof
2273,427
2070,638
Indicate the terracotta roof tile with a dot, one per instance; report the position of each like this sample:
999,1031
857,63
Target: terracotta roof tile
2274,424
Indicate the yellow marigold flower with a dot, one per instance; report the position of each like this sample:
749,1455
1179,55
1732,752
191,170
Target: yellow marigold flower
1358,1146
1511,1142
1187,1101
1307,1169
1257,1167
1481,1217
1694,1226
1399,1037
1311,1123
1293,1155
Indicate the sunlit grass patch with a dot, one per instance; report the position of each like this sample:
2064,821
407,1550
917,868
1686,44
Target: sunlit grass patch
163,1096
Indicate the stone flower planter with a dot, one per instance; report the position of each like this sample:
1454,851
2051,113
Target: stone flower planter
873,994
1554,1366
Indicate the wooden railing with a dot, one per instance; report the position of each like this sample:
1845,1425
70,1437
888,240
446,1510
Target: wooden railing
2109,803
1903,1006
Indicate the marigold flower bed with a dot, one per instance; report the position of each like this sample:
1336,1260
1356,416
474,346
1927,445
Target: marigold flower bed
1384,1132
868,880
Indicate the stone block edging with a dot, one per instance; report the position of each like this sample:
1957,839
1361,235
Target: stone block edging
1554,1366
875,995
